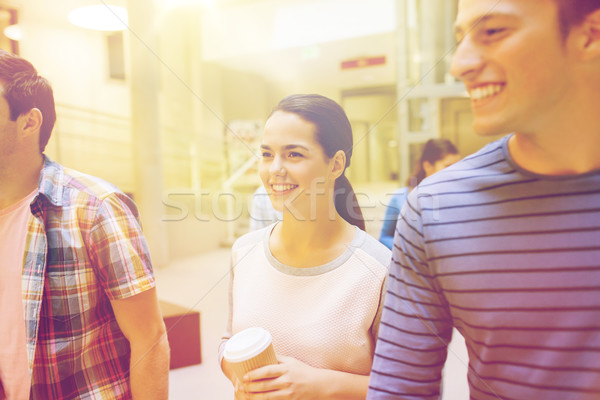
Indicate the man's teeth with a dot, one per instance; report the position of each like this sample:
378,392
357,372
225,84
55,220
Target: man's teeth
483,92
282,188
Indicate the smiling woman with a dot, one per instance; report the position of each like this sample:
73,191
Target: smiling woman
313,280
310,131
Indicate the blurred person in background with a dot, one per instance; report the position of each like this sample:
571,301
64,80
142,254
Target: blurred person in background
437,154
80,316
262,212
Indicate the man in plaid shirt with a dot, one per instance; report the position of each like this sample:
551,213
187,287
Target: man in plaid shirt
80,316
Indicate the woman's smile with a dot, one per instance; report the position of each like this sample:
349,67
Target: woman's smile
282,188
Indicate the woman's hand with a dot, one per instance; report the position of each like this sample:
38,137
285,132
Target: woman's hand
290,379
239,390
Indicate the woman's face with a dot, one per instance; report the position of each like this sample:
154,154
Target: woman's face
294,168
439,165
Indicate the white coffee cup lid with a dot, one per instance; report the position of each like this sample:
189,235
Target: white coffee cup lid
246,344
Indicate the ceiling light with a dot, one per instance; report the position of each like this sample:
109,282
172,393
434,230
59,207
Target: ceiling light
176,3
14,32
100,18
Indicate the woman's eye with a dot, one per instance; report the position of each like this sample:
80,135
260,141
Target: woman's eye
294,154
266,154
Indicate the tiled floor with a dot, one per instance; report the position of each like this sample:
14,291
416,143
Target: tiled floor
200,283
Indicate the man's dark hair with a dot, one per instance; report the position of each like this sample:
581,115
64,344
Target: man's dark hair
24,89
572,13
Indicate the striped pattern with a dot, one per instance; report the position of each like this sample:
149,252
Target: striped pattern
84,248
512,260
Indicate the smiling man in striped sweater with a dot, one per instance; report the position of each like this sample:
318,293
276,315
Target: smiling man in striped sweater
505,245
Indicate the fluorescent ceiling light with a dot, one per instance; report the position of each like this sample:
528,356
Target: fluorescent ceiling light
264,26
177,3
309,23
14,32
100,18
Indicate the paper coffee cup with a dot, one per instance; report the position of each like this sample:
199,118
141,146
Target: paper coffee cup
249,349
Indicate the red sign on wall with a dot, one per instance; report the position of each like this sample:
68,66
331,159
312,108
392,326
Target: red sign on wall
363,62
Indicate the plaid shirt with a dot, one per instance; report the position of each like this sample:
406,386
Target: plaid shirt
84,248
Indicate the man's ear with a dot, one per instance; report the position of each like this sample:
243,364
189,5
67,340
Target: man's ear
339,164
30,122
588,37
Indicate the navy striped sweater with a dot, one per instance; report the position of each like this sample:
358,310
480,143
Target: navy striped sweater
512,260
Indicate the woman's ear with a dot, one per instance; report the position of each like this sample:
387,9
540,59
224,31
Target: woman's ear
30,122
428,167
588,37
339,164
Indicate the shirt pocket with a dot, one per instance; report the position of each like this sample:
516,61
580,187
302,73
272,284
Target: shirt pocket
66,302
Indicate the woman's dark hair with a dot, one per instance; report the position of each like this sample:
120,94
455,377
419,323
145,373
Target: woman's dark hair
24,89
433,151
333,132
572,13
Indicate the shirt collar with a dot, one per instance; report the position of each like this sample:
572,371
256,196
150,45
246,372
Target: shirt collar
51,184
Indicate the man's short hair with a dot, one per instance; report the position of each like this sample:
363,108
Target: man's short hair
24,89
572,13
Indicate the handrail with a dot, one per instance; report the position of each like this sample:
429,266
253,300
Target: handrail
228,183
229,204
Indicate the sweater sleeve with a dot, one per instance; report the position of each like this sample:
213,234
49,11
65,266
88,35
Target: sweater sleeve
377,320
416,325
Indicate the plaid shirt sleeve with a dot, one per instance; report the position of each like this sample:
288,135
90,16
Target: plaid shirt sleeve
85,248
119,250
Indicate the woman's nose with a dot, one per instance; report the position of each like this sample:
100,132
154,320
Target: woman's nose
277,167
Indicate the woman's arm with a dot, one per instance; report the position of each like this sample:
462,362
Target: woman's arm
237,387
293,379
225,367
228,331
343,385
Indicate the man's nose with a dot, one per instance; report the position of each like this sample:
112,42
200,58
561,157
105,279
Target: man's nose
467,59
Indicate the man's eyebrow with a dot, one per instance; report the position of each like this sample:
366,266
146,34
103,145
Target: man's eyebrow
458,30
